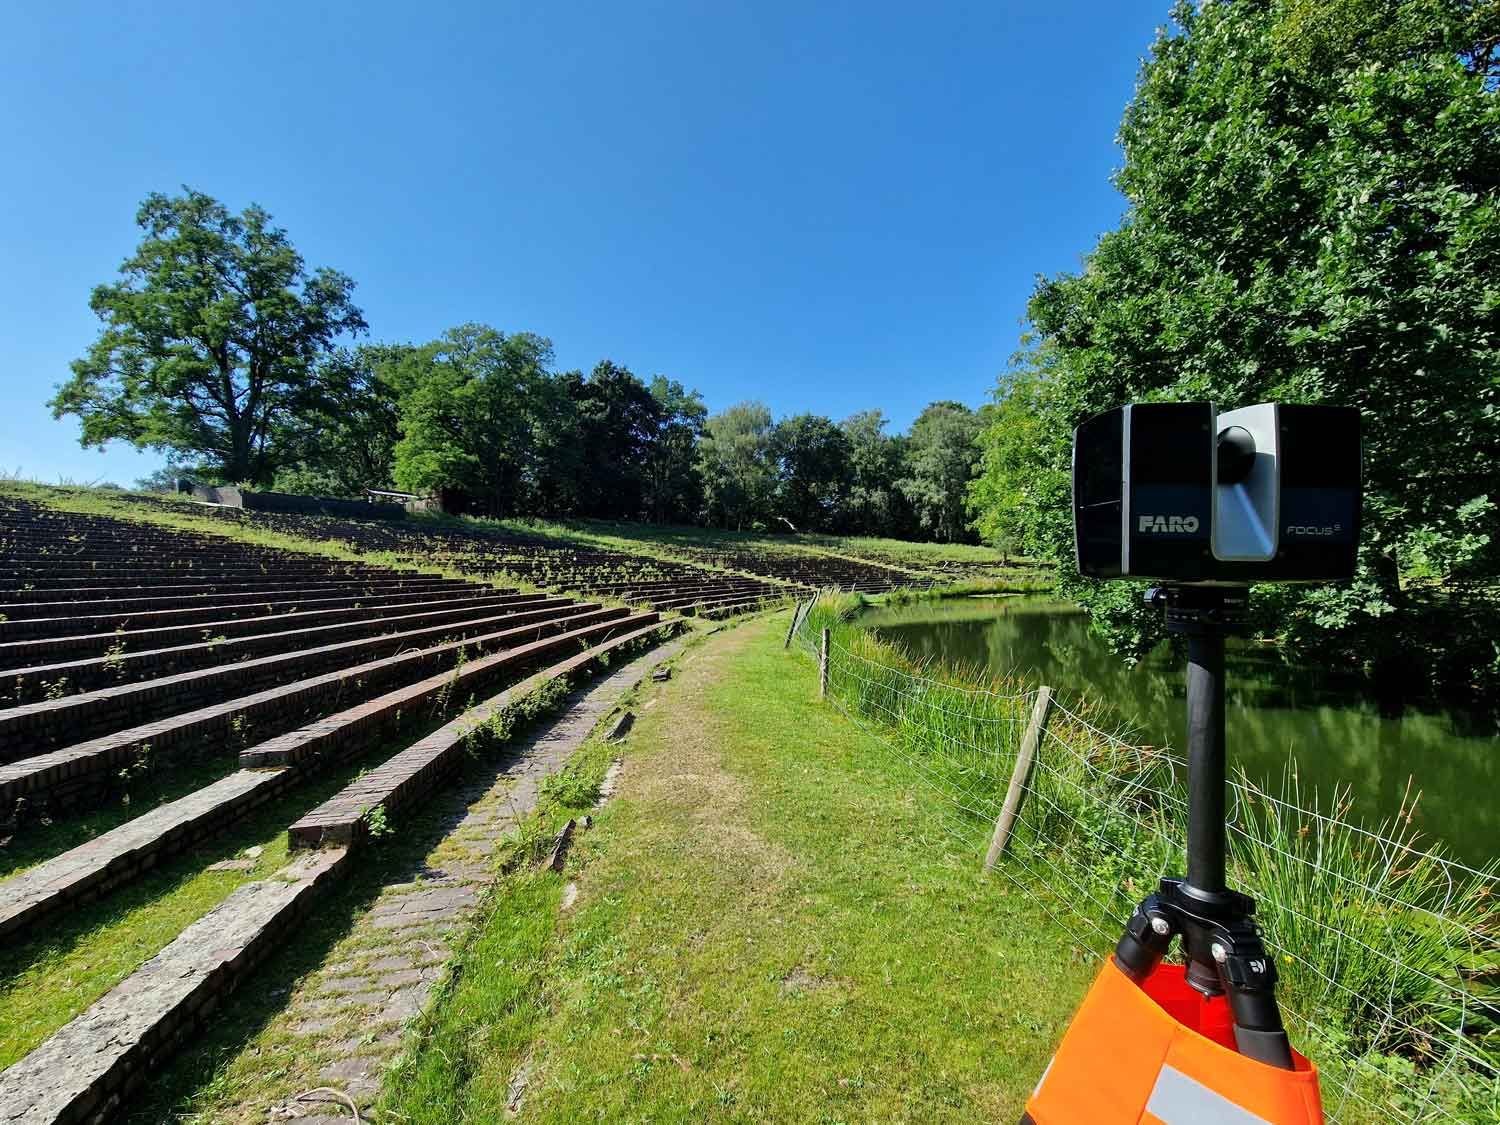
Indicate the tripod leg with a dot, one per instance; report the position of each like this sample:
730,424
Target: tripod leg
1249,977
1147,936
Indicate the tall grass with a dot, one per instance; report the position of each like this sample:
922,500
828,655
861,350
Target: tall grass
1388,951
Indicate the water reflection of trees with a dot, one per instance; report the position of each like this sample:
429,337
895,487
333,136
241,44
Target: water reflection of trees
1278,714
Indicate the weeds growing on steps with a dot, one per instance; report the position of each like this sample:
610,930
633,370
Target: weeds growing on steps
1388,952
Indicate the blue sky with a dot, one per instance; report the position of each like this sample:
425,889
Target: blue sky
829,207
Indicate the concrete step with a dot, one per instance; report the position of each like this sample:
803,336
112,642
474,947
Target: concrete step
84,1072
30,728
53,782
344,818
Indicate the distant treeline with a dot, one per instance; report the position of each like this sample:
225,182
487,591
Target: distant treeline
222,350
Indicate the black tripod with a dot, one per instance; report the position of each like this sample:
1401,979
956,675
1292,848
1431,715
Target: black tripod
1219,938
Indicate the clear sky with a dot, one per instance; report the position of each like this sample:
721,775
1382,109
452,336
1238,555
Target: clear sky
828,207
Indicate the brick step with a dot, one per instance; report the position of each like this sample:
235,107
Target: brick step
731,606
713,594
116,857
668,589
54,647
149,572
85,599
52,783
267,769
85,1070
106,597
30,728
29,683
224,607
415,771
153,554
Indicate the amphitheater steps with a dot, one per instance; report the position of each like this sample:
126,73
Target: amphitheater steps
117,856
24,685
62,645
60,778
84,1072
342,820
40,725
84,600
121,854
205,611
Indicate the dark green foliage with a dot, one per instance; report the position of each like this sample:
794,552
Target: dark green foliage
212,340
673,487
480,416
811,456
735,458
1314,217
875,505
940,460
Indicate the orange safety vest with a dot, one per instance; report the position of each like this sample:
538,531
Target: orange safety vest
1161,1053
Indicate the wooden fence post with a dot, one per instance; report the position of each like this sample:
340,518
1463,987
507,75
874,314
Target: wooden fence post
1013,796
791,629
823,667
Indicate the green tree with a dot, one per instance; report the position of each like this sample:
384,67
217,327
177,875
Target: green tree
735,458
211,341
481,415
812,462
874,506
674,487
1021,497
346,434
617,419
940,460
1314,217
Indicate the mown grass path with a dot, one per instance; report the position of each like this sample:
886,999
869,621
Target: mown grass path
771,924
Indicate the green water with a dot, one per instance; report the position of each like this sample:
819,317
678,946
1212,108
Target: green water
1275,713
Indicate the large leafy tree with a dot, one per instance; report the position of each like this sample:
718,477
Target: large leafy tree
482,416
346,435
874,505
940,460
617,419
212,340
674,487
735,458
812,460
1314,217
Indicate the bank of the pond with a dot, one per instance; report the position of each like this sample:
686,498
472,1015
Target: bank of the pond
1387,951
1278,715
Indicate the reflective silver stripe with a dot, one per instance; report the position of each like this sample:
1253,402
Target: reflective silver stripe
1180,1100
1043,1078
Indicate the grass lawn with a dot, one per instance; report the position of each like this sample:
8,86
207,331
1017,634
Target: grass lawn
771,924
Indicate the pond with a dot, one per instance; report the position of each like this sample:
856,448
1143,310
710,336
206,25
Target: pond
1276,713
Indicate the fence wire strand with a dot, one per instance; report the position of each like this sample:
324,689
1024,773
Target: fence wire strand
1378,937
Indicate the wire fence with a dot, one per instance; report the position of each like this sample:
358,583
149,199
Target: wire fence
1388,952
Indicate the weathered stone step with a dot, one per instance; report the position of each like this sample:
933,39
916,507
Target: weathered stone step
84,1072
343,819
52,781
329,734
204,611
22,685
98,866
107,861
188,571
31,728
85,599
60,646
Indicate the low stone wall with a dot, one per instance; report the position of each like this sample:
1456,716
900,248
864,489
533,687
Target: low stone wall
232,496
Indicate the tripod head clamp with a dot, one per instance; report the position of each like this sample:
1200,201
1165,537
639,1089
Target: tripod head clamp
1202,610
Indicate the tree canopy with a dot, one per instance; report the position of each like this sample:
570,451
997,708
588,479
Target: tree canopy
1314,216
213,339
